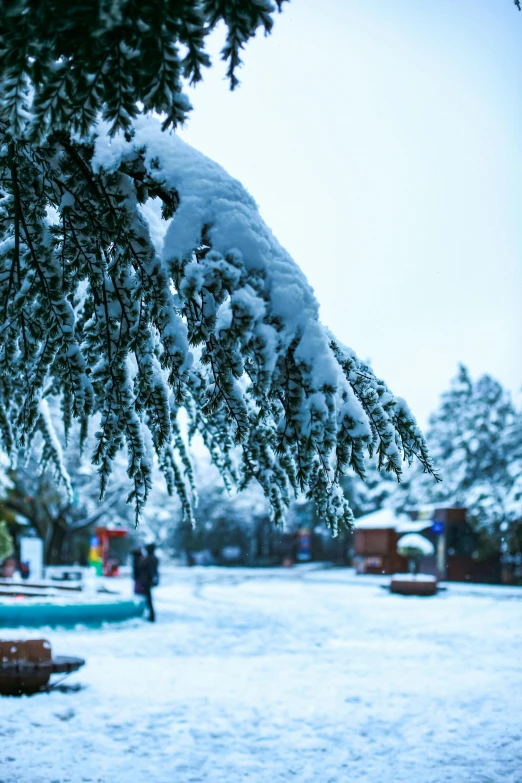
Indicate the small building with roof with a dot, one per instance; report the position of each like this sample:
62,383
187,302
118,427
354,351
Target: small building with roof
456,558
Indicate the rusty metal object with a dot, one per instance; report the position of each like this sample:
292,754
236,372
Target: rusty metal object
26,666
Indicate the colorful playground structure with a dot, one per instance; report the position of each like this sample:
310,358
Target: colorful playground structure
101,556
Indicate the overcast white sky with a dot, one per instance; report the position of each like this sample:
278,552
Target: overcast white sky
382,142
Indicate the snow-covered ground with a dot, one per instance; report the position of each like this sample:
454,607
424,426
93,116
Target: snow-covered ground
272,676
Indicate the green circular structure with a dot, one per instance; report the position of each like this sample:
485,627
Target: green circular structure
36,612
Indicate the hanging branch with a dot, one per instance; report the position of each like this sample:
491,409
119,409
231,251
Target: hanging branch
222,324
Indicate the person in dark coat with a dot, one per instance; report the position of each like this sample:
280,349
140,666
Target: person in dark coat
137,557
148,577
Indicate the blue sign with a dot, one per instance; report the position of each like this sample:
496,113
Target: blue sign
437,527
304,543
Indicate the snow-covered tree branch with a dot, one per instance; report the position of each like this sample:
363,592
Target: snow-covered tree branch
138,280
60,512
63,63
216,319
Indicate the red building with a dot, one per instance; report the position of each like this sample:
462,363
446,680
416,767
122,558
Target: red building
456,557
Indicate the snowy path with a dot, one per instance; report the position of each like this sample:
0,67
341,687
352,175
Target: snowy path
272,676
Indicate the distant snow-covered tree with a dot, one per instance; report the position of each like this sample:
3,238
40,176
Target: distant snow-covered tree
61,512
223,517
363,496
475,438
512,502
210,315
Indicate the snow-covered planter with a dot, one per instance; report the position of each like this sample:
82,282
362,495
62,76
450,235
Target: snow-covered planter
414,547
413,584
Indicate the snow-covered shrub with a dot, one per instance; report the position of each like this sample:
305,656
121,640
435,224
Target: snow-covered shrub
414,547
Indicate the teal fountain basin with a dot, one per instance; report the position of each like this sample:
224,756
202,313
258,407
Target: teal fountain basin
16,611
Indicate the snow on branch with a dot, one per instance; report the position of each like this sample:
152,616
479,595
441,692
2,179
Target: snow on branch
220,322
63,63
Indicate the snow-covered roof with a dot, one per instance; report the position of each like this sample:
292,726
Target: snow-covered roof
388,519
385,518
412,526
426,512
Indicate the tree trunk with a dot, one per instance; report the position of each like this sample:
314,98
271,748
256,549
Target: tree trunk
413,565
53,555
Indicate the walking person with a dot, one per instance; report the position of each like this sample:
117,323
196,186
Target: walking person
149,577
137,557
